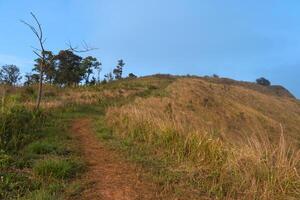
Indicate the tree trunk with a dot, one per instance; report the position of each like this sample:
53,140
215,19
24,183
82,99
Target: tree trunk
39,97
99,81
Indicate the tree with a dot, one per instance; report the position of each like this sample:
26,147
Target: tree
132,76
93,81
89,64
109,77
69,68
10,74
49,68
41,52
38,32
119,69
31,79
263,81
99,68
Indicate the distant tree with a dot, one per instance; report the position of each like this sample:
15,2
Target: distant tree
41,52
99,68
104,81
119,69
131,75
49,70
10,74
109,77
89,64
263,81
31,79
215,76
93,81
69,68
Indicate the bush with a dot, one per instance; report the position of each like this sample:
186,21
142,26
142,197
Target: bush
17,127
263,81
132,76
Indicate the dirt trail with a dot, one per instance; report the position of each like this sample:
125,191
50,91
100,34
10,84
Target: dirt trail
109,177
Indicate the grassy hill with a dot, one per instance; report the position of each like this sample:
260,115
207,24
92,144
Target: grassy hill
198,138
229,139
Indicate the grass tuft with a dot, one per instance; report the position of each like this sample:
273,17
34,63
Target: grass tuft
57,168
46,147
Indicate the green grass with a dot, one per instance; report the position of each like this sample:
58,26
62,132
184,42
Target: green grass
42,195
15,185
5,160
47,154
47,147
57,168
39,143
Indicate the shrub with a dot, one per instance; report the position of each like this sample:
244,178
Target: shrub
263,81
131,75
17,127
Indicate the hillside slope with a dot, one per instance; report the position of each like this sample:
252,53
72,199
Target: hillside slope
234,111
215,140
196,138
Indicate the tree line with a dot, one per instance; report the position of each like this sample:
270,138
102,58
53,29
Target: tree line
64,69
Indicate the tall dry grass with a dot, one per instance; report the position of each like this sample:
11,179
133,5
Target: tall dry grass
260,165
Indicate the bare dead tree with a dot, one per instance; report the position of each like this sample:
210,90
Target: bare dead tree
40,52
76,49
38,32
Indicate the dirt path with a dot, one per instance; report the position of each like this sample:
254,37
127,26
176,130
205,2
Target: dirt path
109,177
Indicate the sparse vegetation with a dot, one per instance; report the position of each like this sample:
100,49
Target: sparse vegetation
193,139
32,141
212,165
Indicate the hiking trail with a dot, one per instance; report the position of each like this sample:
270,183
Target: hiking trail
108,175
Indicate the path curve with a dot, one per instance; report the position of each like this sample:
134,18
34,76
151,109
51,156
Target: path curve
108,176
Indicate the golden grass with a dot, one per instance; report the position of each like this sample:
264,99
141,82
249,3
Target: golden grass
229,142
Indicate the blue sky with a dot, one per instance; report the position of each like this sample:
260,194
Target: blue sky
232,38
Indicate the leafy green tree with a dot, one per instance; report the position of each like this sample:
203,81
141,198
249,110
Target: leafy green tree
10,74
31,79
89,64
69,68
49,70
119,69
